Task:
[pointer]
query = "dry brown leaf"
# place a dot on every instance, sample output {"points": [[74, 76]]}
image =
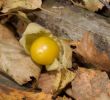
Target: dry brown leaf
{"points": [[26, 4], [92, 5], [90, 84], [90, 54], [13, 61], [49, 82], [53, 82], [7, 93]]}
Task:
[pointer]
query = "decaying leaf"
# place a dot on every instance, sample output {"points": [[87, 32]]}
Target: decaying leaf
{"points": [[55, 81], [90, 54], [49, 82], [33, 31], [26, 4], [92, 5], [90, 84], [7, 93], [13, 61]]}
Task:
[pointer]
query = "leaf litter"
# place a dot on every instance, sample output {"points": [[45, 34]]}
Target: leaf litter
{"points": [[8, 5], [88, 83]]}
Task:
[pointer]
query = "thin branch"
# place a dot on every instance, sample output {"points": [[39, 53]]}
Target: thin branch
{"points": [[51, 12], [72, 1], [105, 3]]}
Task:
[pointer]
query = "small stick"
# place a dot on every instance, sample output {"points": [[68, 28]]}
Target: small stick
{"points": [[105, 3]]}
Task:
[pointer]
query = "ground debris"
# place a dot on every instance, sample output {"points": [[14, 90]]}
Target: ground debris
{"points": [[87, 52], [90, 84], [7, 93]]}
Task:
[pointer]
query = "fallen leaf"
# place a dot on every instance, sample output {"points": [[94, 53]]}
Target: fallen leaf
{"points": [[25, 4], [7, 93], [90, 54], [13, 60], [49, 82], [93, 5], [90, 84], [55, 81]]}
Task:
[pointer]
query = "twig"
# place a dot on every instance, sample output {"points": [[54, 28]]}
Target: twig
{"points": [[105, 3], [5, 14], [47, 11], [72, 1]]}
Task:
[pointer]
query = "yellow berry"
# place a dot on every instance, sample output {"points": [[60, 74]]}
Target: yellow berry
{"points": [[44, 50]]}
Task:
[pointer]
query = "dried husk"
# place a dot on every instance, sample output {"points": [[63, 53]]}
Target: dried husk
{"points": [[65, 57], [33, 31], [66, 77]]}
